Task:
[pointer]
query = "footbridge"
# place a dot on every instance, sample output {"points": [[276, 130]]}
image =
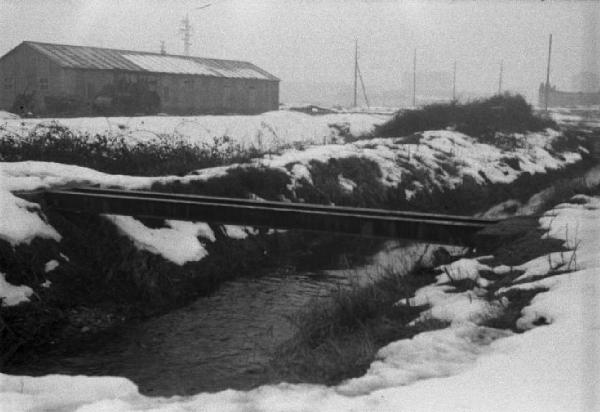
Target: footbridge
{"points": [[439, 228]]}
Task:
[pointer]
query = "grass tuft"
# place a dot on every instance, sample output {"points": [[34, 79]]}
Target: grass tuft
{"points": [[338, 338]]}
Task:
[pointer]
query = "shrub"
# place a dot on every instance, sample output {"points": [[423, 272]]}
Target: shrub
{"points": [[481, 118], [365, 173], [113, 154]]}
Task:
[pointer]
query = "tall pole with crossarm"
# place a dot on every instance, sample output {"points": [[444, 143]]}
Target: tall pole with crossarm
{"points": [[414, 96], [500, 77], [186, 30], [355, 71], [454, 82], [547, 88]]}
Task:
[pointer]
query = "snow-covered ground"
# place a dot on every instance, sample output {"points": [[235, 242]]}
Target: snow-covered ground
{"points": [[443, 159], [4, 115], [554, 365], [464, 367], [267, 131], [577, 116], [535, 204]]}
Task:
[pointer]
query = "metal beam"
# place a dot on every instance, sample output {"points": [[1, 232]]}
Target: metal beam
{"points": [[355, 221]]}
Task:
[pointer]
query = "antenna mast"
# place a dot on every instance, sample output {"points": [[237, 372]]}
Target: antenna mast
{"points": [[548, 74]]}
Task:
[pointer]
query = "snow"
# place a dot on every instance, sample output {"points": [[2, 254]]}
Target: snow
{"points": [[436, 151], [4, 115], [583, 115], [461, 269], [428, 355], [197, 229], [467, 367], [32, 175], [177, 244], [235, 232], [11, 295], [446, 304], [535, 204], [51, 265], [347, 185], [266, 131], [51, 392], [21, 220]]}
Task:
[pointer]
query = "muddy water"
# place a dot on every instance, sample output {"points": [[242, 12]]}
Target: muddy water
{"points": [[222, 341]]}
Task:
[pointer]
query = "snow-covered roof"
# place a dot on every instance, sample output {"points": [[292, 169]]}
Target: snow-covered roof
{"points": [[96, 58]]}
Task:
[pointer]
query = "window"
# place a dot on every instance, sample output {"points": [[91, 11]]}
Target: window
{"points": [[43, 83], [8, 83]]}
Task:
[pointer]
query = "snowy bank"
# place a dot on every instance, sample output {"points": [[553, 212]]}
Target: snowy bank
{"points": [[553, 365], [430, 161], [267, 131]]}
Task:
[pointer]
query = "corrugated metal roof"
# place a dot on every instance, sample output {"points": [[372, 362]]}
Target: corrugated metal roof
{"points": [[82, 57]]}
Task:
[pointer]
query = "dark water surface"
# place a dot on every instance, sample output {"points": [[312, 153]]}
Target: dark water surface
{"points": [[222, 341]]}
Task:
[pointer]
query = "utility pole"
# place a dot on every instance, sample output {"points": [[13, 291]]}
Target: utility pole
{"points": [[357, 77], [454, 82], [364, 90], [186, 30], [547, 91], [186, 34], [414, 102], [355, 69], [500, 78]]}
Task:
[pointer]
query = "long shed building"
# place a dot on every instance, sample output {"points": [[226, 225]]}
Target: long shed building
{"points": [[54, 79]]}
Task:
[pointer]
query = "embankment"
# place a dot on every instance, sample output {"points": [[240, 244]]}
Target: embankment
{"points": [[102, 272]]}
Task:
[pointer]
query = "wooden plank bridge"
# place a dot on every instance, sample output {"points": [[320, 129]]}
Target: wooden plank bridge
{"points": [[440, 228]]}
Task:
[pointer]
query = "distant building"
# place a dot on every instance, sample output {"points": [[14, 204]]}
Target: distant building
{"points": [[52, 79], [558, 98]]}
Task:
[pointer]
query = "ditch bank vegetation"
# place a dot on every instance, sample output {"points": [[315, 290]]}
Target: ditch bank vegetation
{"points": [[102, 278], [339, 340]]}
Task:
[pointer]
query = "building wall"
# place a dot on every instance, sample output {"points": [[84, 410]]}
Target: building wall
{"points": [[24, 71], [180, 94], [201, 94], [57, 90]]}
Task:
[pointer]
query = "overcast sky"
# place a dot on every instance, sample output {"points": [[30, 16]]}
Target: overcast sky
{"points": [[312, 41]]}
